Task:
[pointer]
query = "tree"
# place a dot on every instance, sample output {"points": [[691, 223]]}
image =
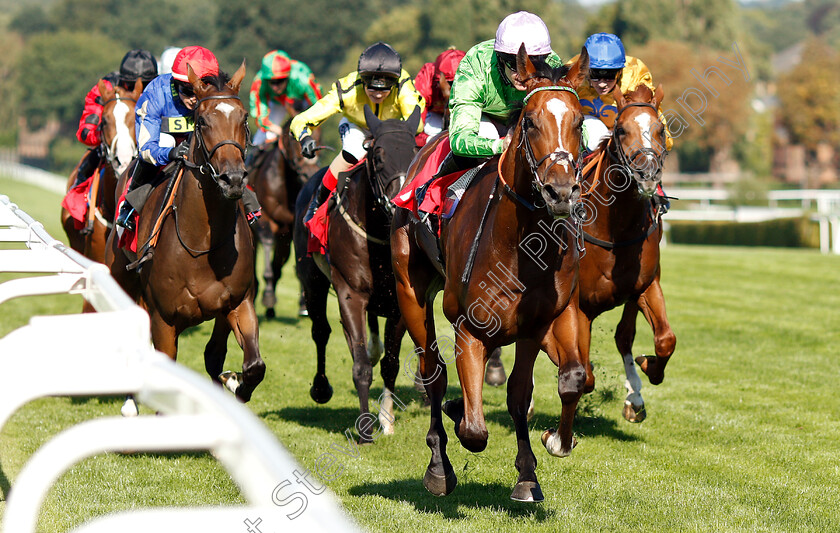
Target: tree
{"points": [[809, 94], [56, 70]]}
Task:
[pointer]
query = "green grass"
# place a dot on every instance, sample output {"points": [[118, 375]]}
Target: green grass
{"points": [[743, 435]]}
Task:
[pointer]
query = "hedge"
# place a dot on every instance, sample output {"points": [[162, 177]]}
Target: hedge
{"points": [[787, 232]]}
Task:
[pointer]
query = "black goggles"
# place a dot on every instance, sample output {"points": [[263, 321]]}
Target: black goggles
{"points": [[508, 60], [379, 83], [184, 89], [604, 73]]}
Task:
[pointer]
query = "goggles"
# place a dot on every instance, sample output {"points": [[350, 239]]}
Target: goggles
{"points": [[184, 89], [379, 82], [604, 73]]}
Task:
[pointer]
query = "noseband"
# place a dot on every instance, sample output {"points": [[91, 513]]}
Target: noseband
{"points": [[207, 167], [626, 160], [379, 188], [556, 156]]}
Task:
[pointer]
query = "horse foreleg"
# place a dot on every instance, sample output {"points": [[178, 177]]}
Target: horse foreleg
{"points": [[266, 238], [164, 335], [652, 304], [584, 343], [215, 352], [495, 373], [468, 412], [519, 394], [352, 309], [389, 368], [416, 306], [561, 345], [375, 347], [243, 322], [316, 290], [625, 334]]}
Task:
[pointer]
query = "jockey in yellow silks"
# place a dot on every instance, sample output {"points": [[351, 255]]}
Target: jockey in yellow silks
{"points": [[609, 66]]}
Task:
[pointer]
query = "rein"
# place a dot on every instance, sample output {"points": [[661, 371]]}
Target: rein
{"points": [[207, 167], [624, 159]]}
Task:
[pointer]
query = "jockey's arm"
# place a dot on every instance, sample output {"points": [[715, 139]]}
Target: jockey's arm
{"points": [[88, 132], [305, 122], [148, 134], [409, 99]]}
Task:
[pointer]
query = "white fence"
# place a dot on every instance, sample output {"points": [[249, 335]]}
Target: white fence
{"points": [[119, 359], [826, 204]]}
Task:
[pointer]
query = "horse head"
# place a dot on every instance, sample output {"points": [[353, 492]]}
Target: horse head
{"points": [[117, 124], [390, 154], [221, 131], [548, 132], [639, 136]]}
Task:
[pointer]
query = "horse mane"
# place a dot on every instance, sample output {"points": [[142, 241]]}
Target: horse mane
{"points": [[217, 81], [641, 93]]}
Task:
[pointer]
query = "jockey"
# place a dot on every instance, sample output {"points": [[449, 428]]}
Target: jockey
{"points": [[136, 64], [382, 84], [608, 67], [164, 121], [487, 87], [427, 83], [282, 85]]}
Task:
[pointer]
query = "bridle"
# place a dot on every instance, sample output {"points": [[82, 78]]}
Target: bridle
{"points": [[554, 157], [207, 167], [379, 189], [626, 160], [110, 149]]}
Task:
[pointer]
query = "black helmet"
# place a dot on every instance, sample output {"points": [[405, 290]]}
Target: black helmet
{"points": [[380, 66], [138, 64]]}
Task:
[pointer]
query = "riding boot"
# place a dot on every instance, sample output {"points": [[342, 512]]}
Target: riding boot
{"points": [[125, 217], [252, 206], [88, 166], [661, 200], [319, 198]]}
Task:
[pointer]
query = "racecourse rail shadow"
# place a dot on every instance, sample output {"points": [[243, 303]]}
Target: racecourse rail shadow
{"points": [[490, 496], [589, 426]]}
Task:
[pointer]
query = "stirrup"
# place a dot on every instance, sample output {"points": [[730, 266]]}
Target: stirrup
{"points": [[125, 219]]}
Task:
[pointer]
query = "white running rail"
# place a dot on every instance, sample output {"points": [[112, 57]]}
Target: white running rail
{"points": [[198, 415]]}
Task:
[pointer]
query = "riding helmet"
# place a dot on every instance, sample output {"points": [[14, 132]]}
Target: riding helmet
{"points": [[276, 65], [605, 51], [138, 64], [380, 65], [523, 28], [200, 59]]}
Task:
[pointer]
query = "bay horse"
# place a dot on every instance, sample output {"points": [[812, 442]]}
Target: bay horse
{"points": [[360, 265], [622, 233], [497, 289], [118, 145], [202, 267], [278, 177]]}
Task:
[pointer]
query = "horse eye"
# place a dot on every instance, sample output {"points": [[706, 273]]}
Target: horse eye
{"points": [[619, 130]]}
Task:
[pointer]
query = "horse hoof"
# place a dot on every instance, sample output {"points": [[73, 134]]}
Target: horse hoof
{"points": [[269, 313], [375, 349], [552, 442], [303, 311], [231, 380], [652, 367], [129, 408], [321, 390], [527, 491], [244, 394], [440, 485], [454, 409], [495, 374], [634, 414]]}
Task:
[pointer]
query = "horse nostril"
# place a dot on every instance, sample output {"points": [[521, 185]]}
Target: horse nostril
{"points": [[552, 194]]}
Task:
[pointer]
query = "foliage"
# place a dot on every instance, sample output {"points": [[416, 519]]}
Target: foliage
{"points": [[824, 19], [790, 232], [809, 94], [778, 27], [12, 46], [30, 20], [56, 70]]}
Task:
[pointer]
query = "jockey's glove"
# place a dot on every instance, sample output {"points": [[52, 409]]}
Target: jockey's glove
{"points": [[307, 147], [179, 151]]}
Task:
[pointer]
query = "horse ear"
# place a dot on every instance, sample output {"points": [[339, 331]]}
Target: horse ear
{"points": [[104, 91], [580, 70], [445, 86], [414, 120], [524, 68], [658, 96], [138, 89], [371, 120], [236, 79]]}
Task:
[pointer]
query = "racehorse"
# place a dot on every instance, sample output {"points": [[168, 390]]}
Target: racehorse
{"points": [[360, 265], [622, 233], [118, 145], [498, 287], [278, 176], [202, 267]]}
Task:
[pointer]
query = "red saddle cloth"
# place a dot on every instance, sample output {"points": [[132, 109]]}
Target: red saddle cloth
{"points": [[432, 201], [319, 224], [76, 203]]}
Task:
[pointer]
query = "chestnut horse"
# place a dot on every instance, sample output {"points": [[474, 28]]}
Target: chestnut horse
{"points": [[360, 264], [277, 178], [497, 288], [118, 145], [203, 263], [622, 233]]}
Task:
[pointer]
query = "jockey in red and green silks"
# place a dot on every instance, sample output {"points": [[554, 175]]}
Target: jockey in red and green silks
{"points": [[485, 87], [281, 85]]}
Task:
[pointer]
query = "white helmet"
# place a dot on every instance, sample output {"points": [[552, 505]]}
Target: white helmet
{"points": [[167, 58], [523, 28]]}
